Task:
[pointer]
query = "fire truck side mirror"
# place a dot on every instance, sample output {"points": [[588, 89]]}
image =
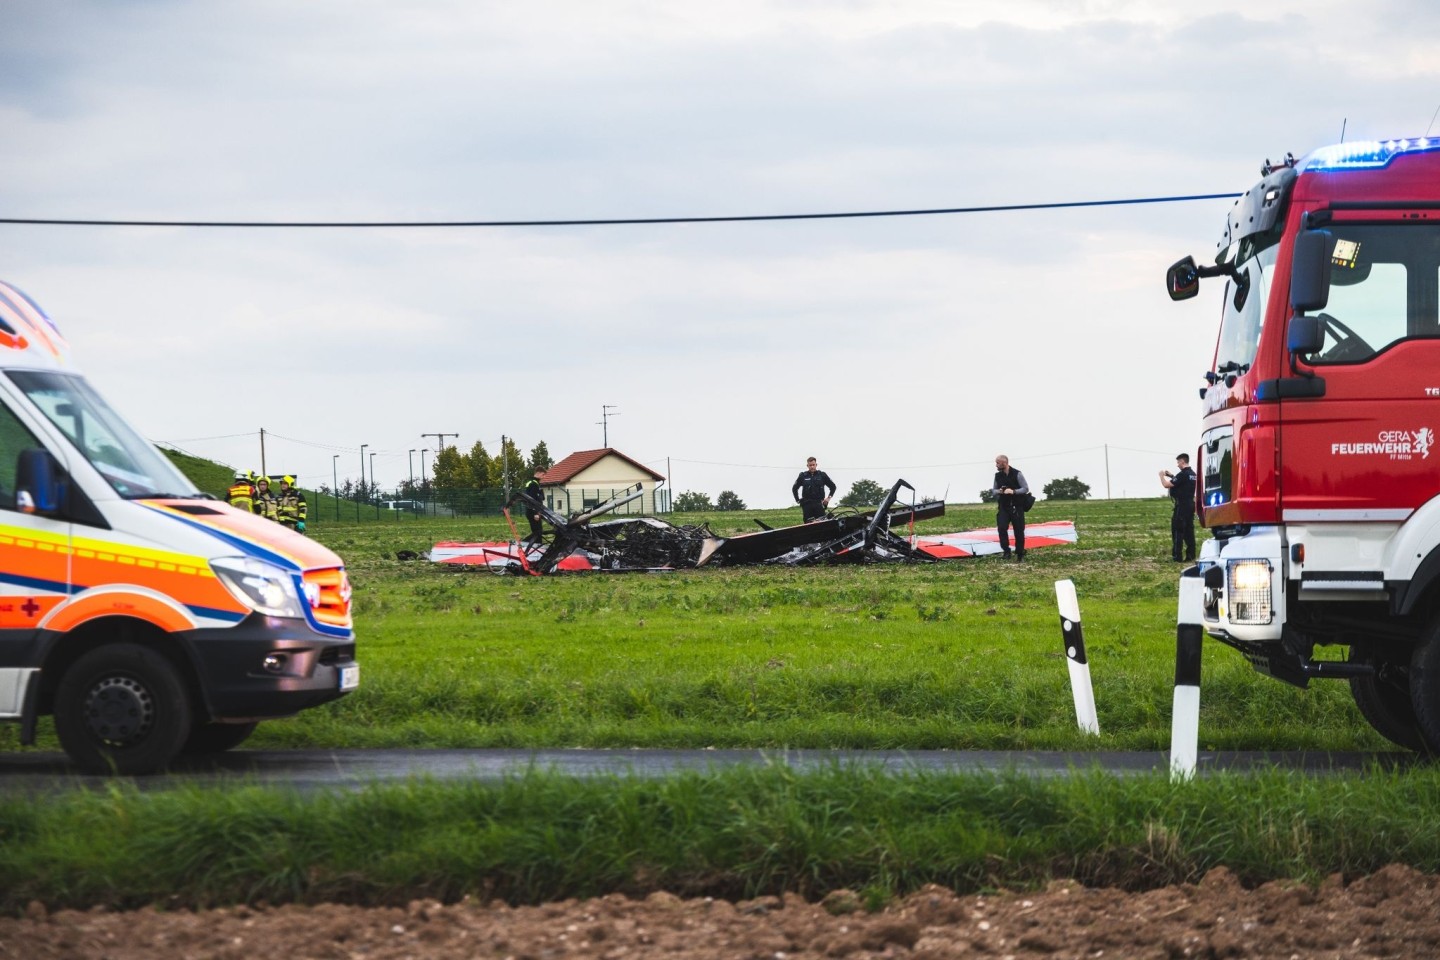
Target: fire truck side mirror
{"points": [[1307, 334], [1182, 280], [1310, 271]]}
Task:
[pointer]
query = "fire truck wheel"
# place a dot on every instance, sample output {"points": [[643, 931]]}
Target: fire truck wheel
{"points": [[1425, 686], [122, 708], [1384, 701], [208, 738]]}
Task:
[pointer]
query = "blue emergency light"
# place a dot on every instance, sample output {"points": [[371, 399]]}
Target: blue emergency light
{"points": [[1364, 154]]}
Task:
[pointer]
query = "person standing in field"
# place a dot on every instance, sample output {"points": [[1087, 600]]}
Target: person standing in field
{"points": [[1009, 487], [241, 494], [812, 490], [266, 503], [1181, 485], [532, 490], [291, 507]]}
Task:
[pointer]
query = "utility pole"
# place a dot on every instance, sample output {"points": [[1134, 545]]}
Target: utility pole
{"points": [[505, 466], [362, 479], [1107, 471], [440, 440], [439, 449], [262, 453], [605, 416]]}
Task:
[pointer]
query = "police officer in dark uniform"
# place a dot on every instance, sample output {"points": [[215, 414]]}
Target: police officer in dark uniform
{"points": [[1181, 485], [812, 490]]}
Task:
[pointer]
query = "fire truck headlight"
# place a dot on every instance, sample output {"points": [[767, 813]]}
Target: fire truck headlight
{"points": [[1249, 592]]}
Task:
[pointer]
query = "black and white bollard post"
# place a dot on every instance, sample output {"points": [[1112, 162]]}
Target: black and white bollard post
{"points": [[1185, 718], [1075, 657]]}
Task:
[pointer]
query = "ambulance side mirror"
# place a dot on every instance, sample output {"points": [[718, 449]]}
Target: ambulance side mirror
{"points": [[1310, 271], [37, 488]]}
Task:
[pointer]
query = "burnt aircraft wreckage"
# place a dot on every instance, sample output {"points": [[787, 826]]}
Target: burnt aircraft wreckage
{"points": [[647, 543]]}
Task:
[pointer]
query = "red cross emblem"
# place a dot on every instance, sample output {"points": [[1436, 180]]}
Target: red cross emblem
{"points": [[30, 607]]}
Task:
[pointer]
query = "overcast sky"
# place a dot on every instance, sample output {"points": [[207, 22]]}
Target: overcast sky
{"points": [[908, 347]]}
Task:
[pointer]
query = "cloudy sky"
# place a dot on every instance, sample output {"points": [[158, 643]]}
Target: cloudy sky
{"points": [[907, 347]]}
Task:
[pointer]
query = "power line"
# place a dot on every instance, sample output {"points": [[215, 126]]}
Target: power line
{"points": [[909, 466], [618, 221]]}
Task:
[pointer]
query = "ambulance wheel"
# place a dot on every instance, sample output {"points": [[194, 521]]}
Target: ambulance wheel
{"points": [[1384, 702], [1425, 686], [123, 709], [208, 738]]}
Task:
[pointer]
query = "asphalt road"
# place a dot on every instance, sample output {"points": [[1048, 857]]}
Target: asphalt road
{"points": [[349, 769]]}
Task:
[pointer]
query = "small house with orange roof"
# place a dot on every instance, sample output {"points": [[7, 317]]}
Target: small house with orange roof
{"points": [[587, 478]]}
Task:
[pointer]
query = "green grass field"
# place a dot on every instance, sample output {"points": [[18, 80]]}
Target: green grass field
{"points": [[961, 654]]}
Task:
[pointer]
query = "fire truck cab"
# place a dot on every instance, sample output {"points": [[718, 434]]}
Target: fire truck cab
{"points": [[150, 619], [1319, 469]]}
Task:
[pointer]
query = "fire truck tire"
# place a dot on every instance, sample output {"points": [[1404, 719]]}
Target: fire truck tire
{"points": [[208, 738], [1385, 703], [1425, 686], [122, 708]]}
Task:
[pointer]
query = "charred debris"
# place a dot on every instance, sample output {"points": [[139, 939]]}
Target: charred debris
{"points": [[647, 543]]}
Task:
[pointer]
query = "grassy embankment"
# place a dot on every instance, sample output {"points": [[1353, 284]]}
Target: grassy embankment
{"points": [[964, 654]]}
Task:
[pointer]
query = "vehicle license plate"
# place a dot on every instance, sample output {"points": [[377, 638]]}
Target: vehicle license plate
{"points": [[350, 676]]}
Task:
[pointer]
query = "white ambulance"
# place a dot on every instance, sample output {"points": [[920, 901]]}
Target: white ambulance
{"points": [[150, 619]]}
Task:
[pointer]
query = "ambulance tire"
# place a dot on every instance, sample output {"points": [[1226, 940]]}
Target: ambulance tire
{"points": [[1425, 686], [122, 708], [208, 738], [1384, 702]]}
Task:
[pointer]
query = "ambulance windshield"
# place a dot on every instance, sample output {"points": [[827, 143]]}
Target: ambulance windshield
{"points": [[128, 462]]}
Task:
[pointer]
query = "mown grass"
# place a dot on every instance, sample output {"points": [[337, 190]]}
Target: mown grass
{"points": [[738, 833], [960, 654], [964, 654]]}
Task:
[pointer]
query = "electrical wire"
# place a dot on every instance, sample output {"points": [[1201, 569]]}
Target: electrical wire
{"points": [[618, 221]]}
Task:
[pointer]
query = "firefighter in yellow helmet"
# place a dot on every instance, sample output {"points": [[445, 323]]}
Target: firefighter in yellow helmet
{"points": [[266, 503], [241, 494], [291, 504]]}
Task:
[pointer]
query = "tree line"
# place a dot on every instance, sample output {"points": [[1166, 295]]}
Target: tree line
{"points": [[452, 471]]}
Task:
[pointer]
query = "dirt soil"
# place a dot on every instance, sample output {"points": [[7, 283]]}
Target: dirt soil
{"points": [[1393, 913]]}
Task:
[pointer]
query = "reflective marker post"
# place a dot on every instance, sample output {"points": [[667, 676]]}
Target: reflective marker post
{"points": [[1075, 656], [1185, 718]]}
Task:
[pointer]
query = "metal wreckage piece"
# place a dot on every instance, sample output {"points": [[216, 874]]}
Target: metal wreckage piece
{"points": [[646, 543]]}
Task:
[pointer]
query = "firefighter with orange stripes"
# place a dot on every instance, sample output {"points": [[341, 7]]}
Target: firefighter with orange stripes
{"points": [[242, 492]]}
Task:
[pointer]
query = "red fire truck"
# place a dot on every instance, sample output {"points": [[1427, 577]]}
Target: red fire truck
{"points": [[1320, 474]]}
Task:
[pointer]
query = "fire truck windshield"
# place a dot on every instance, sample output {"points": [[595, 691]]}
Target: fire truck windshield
{"points": [[1245, 297], [1384, 287]]}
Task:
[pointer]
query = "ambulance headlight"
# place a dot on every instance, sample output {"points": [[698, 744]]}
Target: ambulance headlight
{"points": [[263, 587], [1248, 591]]}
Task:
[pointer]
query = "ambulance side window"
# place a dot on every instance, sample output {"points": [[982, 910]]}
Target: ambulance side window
{"points": [[14, 437]]}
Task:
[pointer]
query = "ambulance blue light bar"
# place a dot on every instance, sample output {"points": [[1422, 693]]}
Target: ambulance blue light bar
{"points": [[1364, 154]]}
